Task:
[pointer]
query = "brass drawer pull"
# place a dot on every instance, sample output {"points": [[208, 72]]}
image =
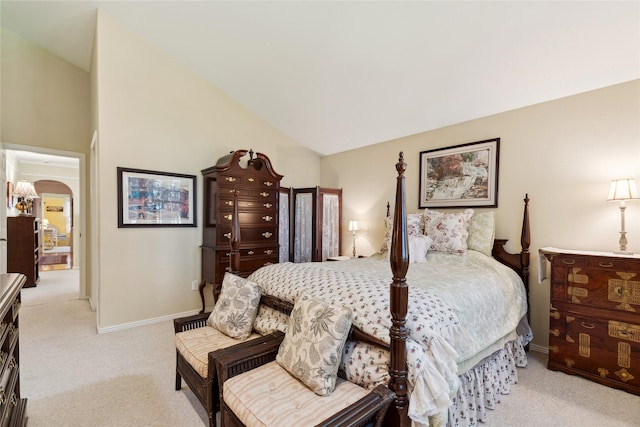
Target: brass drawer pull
{"points": [[268, 251], [569, 261], [229, 203], [268, 183], [250, 253], [267, 234], [267, 218], [229, 217], [607, 265], [227, 235], [264, 194], [230, 179], [251, 179], [587, 325], [267, 205], [249, 203]]}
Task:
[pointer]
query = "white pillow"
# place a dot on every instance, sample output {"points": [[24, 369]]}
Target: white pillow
{"points": [[418, 248], [448, 230]]}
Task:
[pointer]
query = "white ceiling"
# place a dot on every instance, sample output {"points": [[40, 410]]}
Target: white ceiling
{"points": [[340, 75]]}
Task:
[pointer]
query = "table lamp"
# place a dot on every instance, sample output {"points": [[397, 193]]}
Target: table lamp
{"points": [[623, 189], [26, 193], [353, 227]]}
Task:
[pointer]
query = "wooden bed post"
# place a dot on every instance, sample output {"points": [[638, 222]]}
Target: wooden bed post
{"points": [[525, 241], [234, 241], [399, 297]]}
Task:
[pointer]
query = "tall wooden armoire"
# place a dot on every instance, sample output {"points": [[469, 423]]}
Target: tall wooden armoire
{"points": [[316, 225], [252, 176]]}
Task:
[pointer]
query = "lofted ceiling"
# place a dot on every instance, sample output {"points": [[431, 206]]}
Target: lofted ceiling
{"points": [[339, 75]]}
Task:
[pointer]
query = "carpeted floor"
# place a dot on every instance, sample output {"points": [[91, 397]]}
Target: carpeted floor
{"points": [[74, 377]]}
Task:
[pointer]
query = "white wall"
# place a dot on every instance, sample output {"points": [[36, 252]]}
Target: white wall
{"points": [[153, 113], [563, 153]]}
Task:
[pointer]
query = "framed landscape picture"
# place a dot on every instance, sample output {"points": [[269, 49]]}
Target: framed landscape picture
{"points": [[155, 199], [460, 176]]}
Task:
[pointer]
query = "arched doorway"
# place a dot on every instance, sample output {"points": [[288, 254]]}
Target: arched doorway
{"points": [[56, 214]]}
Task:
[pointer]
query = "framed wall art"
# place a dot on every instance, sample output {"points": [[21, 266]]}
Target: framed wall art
{"points": [[460, 176], [155, 199]]}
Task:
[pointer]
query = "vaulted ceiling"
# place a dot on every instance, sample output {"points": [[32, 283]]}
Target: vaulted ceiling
{"points": [[340, 75]]}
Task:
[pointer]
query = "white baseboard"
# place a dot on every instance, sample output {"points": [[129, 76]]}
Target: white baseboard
{"points": [[145, 322], [539, 348]]}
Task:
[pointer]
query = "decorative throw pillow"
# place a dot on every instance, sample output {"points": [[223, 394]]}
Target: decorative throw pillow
{"points": [[388, 228], [312, 347], [448, 231], [414, 228], [236, 308], [418, 248], [481, 232]]}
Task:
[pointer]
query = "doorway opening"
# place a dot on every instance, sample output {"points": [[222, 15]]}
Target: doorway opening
{"points": [[58, 178]]}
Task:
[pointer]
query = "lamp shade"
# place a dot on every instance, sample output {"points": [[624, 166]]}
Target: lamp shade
{"points": [[25, 189], [623, 189], [353, 225]]}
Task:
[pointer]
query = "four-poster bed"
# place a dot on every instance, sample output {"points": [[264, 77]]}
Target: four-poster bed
{"points": [[437, 342]]}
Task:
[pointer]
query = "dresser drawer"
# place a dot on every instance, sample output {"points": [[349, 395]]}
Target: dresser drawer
{"points": [[606, 349], [257, 218], [249, 234], [245, 203], [606, 287]]}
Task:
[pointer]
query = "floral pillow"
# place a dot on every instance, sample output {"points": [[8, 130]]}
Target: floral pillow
{"points": [[448, 231], [312, 347], [414, 228], [481, 232], [236, 308]]}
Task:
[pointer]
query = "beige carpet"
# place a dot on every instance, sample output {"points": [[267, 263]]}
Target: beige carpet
{"points": [[74, 377]]}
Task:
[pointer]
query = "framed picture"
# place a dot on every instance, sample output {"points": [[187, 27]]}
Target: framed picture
{"points": [[460, 176], [155, 199]]}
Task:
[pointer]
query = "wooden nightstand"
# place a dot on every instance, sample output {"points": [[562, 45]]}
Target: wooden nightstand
{"points": [[594, 328]]}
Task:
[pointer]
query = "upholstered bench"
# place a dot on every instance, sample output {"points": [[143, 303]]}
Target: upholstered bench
{"points": [[199, 338], [273, 385]]}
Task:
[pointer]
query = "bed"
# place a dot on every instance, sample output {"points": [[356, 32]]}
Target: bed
{"points": [[445, 338]]}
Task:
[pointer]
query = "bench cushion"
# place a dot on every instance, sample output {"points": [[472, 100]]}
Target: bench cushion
{"points": [[270, 396], [195, 344]]}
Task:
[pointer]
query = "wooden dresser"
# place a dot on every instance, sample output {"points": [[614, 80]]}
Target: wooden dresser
{"points": [[594, 328], [13, 408], [23, 247], [257, 184]]}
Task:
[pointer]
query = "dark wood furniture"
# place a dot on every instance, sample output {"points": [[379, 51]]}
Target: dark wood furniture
{"points": [[399, 259], [206, 388], [315, 235], [13, 408], [594, 327], [257, 184], [23, 247], [368, 411]]}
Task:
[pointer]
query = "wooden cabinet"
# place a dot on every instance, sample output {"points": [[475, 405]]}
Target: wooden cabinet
{"points": [[257, 186], [13, 408], [23, 247], [594, 328], [316, 225]]}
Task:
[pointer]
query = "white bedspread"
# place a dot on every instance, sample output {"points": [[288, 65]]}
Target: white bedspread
{"points": [[461, 308]]}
